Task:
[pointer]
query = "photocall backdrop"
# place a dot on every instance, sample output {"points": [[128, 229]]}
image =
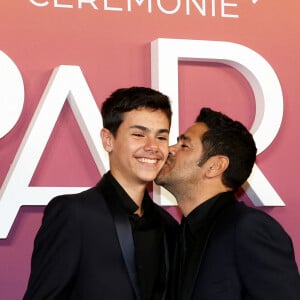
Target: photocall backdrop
{"points": [[110, 40]]}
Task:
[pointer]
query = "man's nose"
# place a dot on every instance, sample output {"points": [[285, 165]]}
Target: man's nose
{"points": [[173, 149]]}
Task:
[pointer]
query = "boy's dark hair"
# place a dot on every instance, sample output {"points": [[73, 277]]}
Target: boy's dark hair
{"points": [[229, 138], [127, 99]]}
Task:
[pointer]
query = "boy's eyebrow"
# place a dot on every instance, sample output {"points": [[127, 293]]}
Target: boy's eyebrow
{"points": [[143, 128]]}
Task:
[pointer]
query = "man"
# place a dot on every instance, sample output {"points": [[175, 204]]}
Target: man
{"points": [[226, 249], [111, 241]]}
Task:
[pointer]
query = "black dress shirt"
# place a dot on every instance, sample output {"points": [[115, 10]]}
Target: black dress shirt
{"points": [[194, 229], [147, 233]]}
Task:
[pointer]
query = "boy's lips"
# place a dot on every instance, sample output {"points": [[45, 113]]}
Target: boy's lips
{"points": [[148, 160]]}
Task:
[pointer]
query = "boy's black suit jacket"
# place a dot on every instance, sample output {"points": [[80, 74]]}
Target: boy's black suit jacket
{"points": [[84, 248]]}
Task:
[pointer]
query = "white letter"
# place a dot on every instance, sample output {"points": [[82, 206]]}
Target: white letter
{"points": [[139, 3], [165, 54], [213, 8], [223, 4], [87, 1], [39, 4], [169, 12], [106, 7], [56, 4], [66, 82], [11, 94], [201, 10]]}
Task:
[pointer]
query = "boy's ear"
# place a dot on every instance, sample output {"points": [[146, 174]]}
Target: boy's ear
{"points": [[217, 165], [107, 139]]}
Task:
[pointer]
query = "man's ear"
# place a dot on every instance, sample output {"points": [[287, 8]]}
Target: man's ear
{"points": [[217, 165], [107, 139]]}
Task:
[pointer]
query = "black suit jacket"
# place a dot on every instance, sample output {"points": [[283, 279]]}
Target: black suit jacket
{"points": [[246, 255], [84, 248]]}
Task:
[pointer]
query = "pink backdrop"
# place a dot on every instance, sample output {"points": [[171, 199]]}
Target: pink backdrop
{"points": [[113, 50]]}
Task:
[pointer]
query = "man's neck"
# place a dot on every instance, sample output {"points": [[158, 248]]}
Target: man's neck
{"points": [[188, 203]]}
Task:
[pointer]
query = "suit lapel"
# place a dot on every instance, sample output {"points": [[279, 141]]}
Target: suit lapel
{"points": [[192, 268], [167, 264], [194, 261], [125, 237], [124, 234]]}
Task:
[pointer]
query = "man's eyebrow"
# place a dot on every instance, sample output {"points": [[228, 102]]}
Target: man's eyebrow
{"points": [[183, 137], [143, 128]]}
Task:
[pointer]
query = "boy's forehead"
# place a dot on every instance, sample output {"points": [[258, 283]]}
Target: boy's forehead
{"points": [[146, 119], [146, 115]]}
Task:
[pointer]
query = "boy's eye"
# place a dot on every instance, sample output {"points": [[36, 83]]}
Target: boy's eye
{"points": [[138, 134]]}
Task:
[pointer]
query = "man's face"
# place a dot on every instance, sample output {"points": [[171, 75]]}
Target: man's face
{"points": [[140, 147], [182, 165]]}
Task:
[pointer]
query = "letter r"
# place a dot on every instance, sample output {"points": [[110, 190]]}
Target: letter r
{"points": [[165, 54]]}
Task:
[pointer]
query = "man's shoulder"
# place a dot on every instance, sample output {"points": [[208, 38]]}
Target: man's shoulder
{"points": [[253, 220], [245, 212]]}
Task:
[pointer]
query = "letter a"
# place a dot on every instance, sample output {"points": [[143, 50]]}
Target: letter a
{"points": [[66, 83]]}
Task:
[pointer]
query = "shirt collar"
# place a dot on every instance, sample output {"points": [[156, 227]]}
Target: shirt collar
{"points": [[125, 200], [206, 212]]}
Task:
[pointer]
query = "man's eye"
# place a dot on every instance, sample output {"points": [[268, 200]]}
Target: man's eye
{"points": [[184, 146]]}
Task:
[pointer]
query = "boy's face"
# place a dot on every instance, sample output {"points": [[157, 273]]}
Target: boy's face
{"points": [[140, 147]]}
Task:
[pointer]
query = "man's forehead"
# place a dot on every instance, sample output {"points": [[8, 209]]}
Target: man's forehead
{"points": [[197, 129]]}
